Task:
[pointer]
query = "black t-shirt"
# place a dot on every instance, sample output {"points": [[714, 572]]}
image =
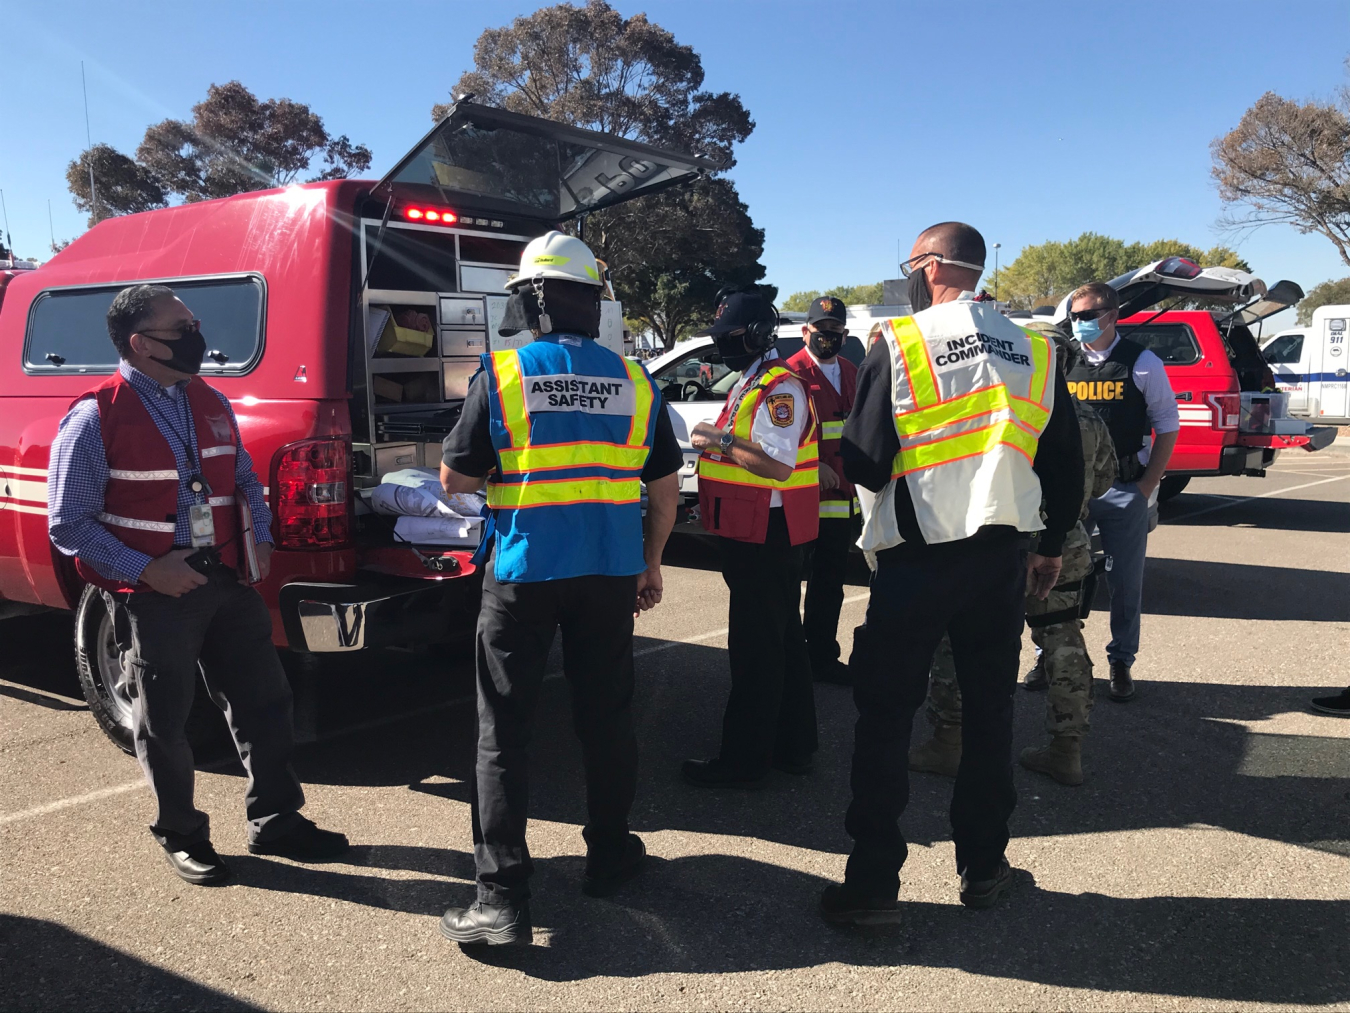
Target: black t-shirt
{"points": [[468, 449]]}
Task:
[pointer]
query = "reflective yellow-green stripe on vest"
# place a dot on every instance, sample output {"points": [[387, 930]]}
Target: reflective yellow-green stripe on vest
{"points": [[562, 492]]}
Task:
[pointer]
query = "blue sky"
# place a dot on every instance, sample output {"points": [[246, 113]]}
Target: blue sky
{"points": [[1032, 121]]}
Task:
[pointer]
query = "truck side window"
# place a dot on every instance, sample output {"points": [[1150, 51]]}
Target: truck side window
{"points": [[1287, 348], [1175, 344], [68, 330]]}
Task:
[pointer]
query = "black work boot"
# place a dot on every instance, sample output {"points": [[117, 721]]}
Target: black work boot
{"points": [[1122, 683], [841, 904], [984, 893], [1036, 680], [604, 878], [198, 864], [483, 924], [306, 843]]}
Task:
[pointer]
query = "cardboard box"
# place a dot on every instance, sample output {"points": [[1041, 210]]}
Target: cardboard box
{"points": [[396, 340], [396, 457], [431, 455]]}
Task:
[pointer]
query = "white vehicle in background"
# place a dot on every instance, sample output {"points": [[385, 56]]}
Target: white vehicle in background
{"points": [[1310, 365]]}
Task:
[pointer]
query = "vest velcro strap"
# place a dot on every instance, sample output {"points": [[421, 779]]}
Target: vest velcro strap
{"points": [[222, 451], [832, 430], [562, 492], [963, 445], [165, 527], [128, 475], [554, 456]]}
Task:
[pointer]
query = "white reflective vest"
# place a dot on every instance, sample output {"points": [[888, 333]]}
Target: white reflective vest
{"points": [[971, 395]]}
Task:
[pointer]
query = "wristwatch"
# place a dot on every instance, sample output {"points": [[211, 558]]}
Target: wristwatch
{"points": [[725, 441]]}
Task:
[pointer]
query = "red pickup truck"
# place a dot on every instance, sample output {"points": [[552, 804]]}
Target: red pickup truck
{"points": [[296, 289], [1212, 359]]}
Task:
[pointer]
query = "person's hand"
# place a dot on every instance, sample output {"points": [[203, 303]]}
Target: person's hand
{"points": [[1146, 485], [648, 590], [704, 435], [828, 479], [1042, 573], [170, 574], [263, 550]]}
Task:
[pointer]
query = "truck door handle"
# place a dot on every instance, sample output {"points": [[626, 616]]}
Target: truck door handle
{"points": [[54, 359], [219, 356]]}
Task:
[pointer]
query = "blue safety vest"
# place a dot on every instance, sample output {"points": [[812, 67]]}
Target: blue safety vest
{"points": [[572, 424]]}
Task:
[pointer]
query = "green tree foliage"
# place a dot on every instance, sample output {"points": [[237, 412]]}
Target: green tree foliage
{"points": [[589, 66], [850, 295], [233, 144], [1329, 293], [1044, 274]]}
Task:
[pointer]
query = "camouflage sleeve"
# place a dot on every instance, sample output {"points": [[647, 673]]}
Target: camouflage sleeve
{"points": [[1103, 463]]}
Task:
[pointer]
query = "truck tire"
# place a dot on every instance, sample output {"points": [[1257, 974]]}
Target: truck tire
{"points": [[1171, 486], [99, 667]]}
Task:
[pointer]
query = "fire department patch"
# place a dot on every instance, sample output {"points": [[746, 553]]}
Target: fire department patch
{"points": [[780, 409]]}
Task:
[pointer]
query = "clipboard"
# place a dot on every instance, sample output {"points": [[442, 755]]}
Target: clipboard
{"points": [[248, 547]]}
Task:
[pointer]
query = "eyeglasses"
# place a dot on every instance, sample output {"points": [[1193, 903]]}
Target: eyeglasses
{"points": [[181, 330], [907, 268], [1092, 314]]}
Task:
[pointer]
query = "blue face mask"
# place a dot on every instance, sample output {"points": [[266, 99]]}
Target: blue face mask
{"points": [[1087, 331]]}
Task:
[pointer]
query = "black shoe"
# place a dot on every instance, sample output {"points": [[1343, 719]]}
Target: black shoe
{"points": [[985, 893], [798, 767], [716, 774], [603, 880], [1122, 683], [840, 905], [486, 924], [1036, 680], [198, 864], [1338, 705], [834, 672], [306, 843]]}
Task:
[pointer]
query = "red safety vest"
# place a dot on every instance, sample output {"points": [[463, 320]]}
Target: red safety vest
{"points": [[734, 503], [140, 501], [832, 408]]}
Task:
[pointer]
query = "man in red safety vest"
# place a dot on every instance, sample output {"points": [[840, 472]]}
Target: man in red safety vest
{"points": [[830, 381]]}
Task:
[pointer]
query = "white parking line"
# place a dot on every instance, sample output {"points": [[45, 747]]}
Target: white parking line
{"points": [[66, 803], [1264, 495]]}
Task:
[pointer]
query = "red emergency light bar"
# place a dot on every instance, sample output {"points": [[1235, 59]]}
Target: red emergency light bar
{"points": [[436, 216]]}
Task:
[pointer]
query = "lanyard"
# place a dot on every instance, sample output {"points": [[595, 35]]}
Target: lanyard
{"points": [[196, 483]]}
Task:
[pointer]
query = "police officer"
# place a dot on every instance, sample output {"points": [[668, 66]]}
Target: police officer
{"points": [[1063, 667], [757, 489], [1128, 386], [148, 483], [830, 380], [962, 426], [565, 431]]}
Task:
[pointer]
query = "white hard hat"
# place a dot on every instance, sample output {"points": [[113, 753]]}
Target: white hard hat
{"points": [[557, 256]]}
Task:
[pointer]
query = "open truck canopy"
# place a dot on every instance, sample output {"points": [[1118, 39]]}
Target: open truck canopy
{"points": [[1179, 277]]}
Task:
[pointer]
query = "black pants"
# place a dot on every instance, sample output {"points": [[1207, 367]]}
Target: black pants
{"points": [[227, 627], [771, 711], [515, 630], [975, 590], [825, 588]]}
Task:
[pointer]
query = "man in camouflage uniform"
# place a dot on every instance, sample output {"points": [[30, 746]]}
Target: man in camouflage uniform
{"points": [[1063, 668]]}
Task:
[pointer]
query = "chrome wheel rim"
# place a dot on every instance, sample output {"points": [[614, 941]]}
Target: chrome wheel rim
{"points": [[109, 660]]}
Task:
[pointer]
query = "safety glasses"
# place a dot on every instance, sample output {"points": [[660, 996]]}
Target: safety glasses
{"points": [[181, 330], [1092, 314], [909, 266]]}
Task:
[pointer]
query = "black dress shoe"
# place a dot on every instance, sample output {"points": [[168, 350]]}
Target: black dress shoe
{"points": [[604, 878], [799, 767], [843, 905], [1036, 680], [306, 843], [834, 672], [198, 864], [1337, 706], [984, 893], [716, 774], [1122, 683], [489, 925]]}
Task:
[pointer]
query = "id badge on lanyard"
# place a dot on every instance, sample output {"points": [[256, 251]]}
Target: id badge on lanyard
{"points": [[200, 519]]}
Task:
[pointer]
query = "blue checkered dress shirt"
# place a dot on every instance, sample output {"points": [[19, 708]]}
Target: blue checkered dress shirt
{"points": [[77, 476]]}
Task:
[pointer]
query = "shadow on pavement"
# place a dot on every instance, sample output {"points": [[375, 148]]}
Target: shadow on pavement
{"points": [[49, 967], [1188, 587], [1273, 514]]}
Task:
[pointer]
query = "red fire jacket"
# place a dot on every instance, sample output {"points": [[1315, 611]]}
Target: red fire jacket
{"points": [[140, 502], [832, 408]]}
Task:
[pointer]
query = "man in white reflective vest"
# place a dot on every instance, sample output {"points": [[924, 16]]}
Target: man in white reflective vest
{"points": [[961, 426]]}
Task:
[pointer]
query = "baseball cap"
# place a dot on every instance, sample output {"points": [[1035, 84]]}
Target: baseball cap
{"points": [[827, 307], [740, 309]]}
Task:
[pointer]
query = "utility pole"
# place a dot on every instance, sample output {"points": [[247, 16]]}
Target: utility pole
{"points": [[89, 145], [9, 239], [997, 247], [50, 227]]}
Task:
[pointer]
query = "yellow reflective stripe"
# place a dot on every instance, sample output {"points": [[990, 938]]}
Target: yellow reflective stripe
{"points": [[969, 406], [963, 445], [563, 492], [835, 508], [734, 474], [831, 430], [1040, 361], [745, 412], [637, 432], [914, 354], [572, 455], [511, 396]]}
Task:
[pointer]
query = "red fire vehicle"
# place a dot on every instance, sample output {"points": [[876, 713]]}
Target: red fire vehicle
{"points": [[298, 291]]}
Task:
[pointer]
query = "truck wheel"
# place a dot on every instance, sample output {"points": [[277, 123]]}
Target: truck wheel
{"points": [[99, 665], [1171, 486]]}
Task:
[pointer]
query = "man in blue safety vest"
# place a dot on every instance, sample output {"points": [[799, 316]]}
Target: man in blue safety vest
{"points": [[564, 431]]}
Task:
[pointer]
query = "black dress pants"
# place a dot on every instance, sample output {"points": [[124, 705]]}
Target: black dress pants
{"points": [[771, 711], [975, 590], [515, 630], [825, 588]]}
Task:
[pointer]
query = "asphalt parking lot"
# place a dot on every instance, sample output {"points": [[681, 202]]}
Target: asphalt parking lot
{"points": [[1205, 864]]}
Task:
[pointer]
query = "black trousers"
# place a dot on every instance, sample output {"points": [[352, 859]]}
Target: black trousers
{"points": [[825, 588], [225, 626], [515, 630], [975, 590], [771, 711]]}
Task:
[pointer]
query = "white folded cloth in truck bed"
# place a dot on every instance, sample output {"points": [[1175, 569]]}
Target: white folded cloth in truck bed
{"points": [[417, 492], [461, 531]]}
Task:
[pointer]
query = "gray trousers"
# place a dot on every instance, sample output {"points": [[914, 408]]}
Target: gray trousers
{"points": [[225, 626], [1121, 516]]}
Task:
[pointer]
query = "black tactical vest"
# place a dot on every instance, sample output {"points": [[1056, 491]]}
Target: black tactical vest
{"points": [[1109, 387]]}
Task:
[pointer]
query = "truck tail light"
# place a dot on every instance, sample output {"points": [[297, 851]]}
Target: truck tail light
{"points": [[1179, 267], [1227, 409], [311, 482]]}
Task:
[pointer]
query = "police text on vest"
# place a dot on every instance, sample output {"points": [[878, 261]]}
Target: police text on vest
{"points": [[595, 395]]}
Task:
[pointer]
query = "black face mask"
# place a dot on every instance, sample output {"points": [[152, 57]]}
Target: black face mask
{"points": [[920, 298], [825, 344], [188, 352], [732, 349]]}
